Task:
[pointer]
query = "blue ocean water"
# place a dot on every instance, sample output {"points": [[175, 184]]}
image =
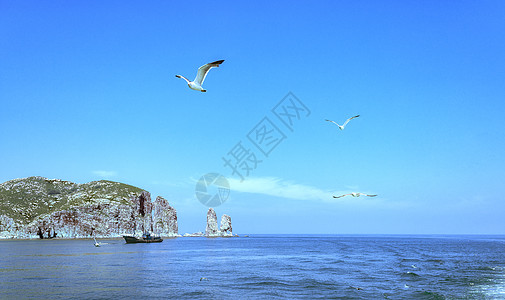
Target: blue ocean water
{"points": [[256, 267]]}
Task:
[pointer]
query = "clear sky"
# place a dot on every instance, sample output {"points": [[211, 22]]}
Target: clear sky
{"points": [[88, 92]]}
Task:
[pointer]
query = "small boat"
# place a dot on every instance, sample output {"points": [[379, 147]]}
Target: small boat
{"points": [[97, 244], [146, 238]]}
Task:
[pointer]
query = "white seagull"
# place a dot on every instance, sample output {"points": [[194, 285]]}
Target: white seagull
{"points": [[345, 123], [354, 195], [200, 76]]}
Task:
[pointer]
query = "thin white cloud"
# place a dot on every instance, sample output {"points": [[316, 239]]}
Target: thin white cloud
{"points": [[277, 187], [105, 174]]}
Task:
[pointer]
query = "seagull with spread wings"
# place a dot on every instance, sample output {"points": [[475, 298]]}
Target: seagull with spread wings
{"points": [[354, 195], [345, 123], [200, 76]]}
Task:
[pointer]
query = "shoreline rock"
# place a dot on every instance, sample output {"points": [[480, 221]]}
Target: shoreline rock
{"points": [[52, 208], [196, 234]]}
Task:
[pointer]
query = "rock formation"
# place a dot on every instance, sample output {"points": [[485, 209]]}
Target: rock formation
{"points": [[8, 225], [212, 230], [226, 225], [195, 234], [164, 218], [143, 213], [47, 208]]}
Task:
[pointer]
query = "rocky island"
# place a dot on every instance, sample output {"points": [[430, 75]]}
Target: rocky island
{"points": [[37, 207]]}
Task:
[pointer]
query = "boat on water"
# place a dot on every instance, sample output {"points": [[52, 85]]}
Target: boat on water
{"points": [[146, 238]]}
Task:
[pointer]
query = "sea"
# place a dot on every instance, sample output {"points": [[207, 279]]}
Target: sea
{"points": [[257, 267]]}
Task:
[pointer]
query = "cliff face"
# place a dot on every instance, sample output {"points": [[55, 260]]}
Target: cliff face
{"points": [[212, 230], [164, 218], [40, 207]]}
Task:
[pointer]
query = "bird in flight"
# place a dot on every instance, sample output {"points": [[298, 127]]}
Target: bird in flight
{"points": [[345, 123], [354, 195], [200, 76]]}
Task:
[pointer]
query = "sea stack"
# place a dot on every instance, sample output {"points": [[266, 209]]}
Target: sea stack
{"points": [[212, 230], [226, 225]]}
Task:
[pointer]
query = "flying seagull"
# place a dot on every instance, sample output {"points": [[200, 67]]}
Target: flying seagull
{"points": [[200, 76], [354, 195], [345, 123]]}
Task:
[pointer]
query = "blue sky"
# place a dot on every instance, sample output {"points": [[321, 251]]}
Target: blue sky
{"points": [[88, 92]]}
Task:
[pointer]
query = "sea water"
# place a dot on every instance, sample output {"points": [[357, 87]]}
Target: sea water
{"points": [[257, 267]]}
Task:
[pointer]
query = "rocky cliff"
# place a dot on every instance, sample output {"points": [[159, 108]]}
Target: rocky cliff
{"points": [[164, 217], [46, 208], [212, 230]]}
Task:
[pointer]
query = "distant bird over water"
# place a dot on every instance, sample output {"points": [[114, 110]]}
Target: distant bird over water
{"points": [[345, 123], [200, 76], [354, 195]]}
